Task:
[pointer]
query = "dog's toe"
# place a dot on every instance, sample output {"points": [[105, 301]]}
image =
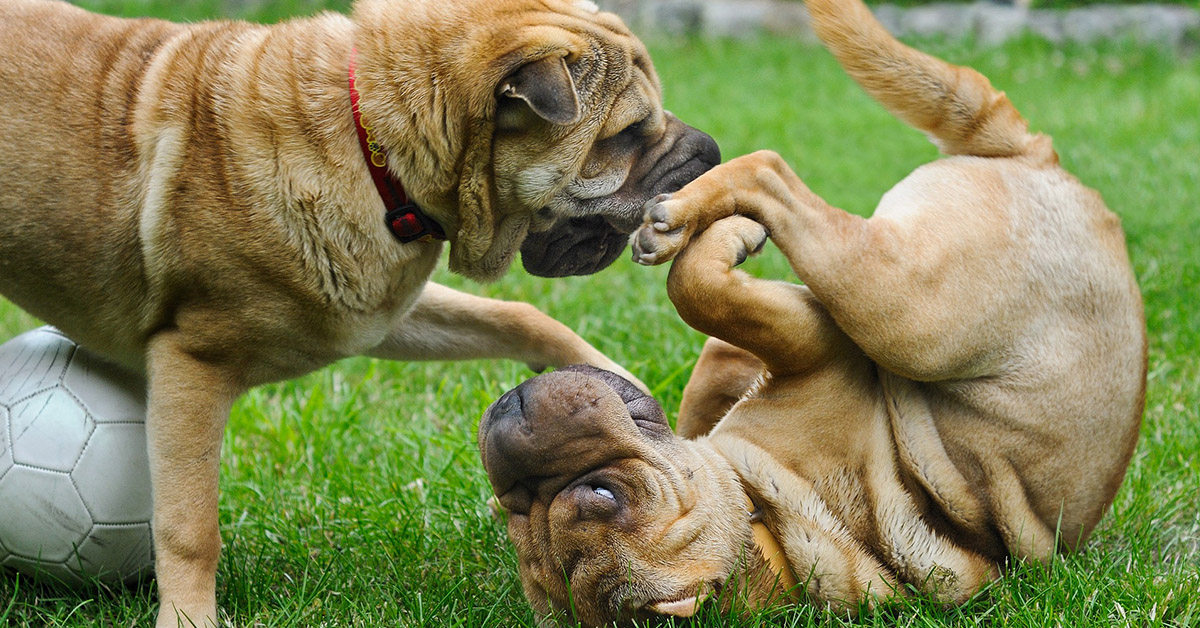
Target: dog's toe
{"points": [[753, 237], [651, 246], [662, 234]]}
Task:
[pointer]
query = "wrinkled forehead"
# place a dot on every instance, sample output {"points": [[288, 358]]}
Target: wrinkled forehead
{"points": [[608, 55]]}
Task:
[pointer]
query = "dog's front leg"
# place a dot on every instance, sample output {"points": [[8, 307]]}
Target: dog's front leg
{"points": [[446, 324], [189, 403], [780, 323]]}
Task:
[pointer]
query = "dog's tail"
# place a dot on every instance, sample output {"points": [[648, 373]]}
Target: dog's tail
{"points": [[956, 106]]}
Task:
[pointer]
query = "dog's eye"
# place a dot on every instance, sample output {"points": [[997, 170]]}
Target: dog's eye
{"points": [[595, 502], [632, 133], [633, 130]]}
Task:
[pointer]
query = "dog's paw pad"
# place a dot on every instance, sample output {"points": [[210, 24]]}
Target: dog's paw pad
{"points": [[662, 235], [652, 246], [660, 213]]}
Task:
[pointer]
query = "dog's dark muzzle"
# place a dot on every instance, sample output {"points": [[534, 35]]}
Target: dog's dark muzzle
{"points": [[553, 427], [590, 242]]}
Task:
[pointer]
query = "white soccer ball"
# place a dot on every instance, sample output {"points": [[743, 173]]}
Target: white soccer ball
{"points": [[74, 475]]}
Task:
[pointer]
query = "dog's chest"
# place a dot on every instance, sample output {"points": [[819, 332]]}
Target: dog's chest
{"points": [[356, 326]]}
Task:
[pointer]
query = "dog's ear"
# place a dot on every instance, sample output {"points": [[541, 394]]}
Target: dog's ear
{"points": [[547, 87]]}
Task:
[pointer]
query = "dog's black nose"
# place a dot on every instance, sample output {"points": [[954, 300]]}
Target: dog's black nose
{"points": [[507, 407], [596, 236]]}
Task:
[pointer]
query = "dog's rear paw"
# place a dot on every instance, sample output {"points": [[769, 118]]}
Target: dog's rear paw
{"points": [[745, 236], [664, 231]]}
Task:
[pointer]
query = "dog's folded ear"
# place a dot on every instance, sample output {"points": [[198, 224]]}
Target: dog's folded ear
{"points": [[547, 87]]}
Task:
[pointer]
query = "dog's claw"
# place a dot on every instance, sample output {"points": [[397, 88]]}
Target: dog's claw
{"points": [[660, 238], [647, 246]]}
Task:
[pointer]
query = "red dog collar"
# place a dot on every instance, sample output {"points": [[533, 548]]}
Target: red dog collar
{"points": [[405, 220]]}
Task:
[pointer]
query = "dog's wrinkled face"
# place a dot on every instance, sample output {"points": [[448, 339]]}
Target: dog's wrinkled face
{"points": [[529, 117], [603, 103], [636, 156], [614, 518]]}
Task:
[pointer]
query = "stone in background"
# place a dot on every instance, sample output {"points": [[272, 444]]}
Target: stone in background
{"points": [[1175, 27]]}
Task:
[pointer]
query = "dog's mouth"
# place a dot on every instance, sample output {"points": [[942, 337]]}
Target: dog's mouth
{"points": [[683, 604], [682, 607], [599, 230], [576, 246]]}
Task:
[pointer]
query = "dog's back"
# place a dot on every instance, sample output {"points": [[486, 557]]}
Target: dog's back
{"points": [[67, 94], [1047, 425]]}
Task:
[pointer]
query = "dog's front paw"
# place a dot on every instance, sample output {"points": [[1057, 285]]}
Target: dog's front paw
{"points": [[664, 231]]}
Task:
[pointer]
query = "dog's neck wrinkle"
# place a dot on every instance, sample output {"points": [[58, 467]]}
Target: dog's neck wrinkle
{"points": [[312, 103], [758, 478], [420, 155], [318, 102], [756, 581], [296, 109], [413, 79]]}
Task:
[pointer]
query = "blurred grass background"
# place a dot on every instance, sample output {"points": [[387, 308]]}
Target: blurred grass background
{"points": [[354, 496], [273, 10]]}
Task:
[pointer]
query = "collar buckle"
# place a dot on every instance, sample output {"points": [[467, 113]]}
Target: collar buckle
{"points": [[769, 548], [408, 223], [405, 220]]}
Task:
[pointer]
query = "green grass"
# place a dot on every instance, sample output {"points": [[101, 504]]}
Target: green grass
{"points": [[354, 496], [1038, 4]]}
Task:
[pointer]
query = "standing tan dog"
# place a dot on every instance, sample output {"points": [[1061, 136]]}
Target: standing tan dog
{"points": [[960, 379], [195, 201]]}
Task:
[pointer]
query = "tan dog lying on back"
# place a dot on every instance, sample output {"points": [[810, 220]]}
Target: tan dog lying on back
{"points": [[192, 200], [960, 379]]}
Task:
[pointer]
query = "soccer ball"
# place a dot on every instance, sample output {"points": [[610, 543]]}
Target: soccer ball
{"points": [[74, 475]]}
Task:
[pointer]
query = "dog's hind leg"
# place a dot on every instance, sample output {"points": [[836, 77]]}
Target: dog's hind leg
{"points": [[781, 323], [723, 373]]}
